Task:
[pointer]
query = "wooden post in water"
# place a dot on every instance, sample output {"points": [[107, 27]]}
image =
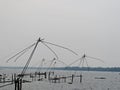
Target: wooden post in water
{"points": [[72, 78], [80, 78], [4, 77], [59, 79], [49, 76], [34, 76], [0, 77], [55, 80], [12, 81], [39, 75], [64, 79], [20, 84], [17, 84], [45, 75], [14, 77]]}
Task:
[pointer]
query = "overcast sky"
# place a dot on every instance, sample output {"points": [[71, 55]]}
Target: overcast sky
{"points": [[85, 26]]}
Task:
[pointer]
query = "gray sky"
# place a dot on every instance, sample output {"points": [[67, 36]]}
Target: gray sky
{"points": [[85, 26]]}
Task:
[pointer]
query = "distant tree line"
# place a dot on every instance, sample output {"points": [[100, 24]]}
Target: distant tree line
{"points": [[108, 69]]}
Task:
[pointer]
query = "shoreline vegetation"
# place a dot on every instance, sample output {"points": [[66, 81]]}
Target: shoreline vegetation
{"points": [[105, 69]]}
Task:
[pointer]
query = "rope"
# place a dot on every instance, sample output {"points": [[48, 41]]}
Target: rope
{"points": [[20, 52], [61, 47]]}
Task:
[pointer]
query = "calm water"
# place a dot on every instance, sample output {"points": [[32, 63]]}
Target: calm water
{"points": [[90, 81]]}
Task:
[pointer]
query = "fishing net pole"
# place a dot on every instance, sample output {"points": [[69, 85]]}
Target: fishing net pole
{"points": [[31, 55]]}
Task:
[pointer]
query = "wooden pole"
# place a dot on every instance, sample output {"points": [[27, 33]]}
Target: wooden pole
{"points": [[72, 78], [15, 84], [80, 78], [20, 84], [12, 79], [39, 75], [45, 75], [64, 79], [49, 76]]}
